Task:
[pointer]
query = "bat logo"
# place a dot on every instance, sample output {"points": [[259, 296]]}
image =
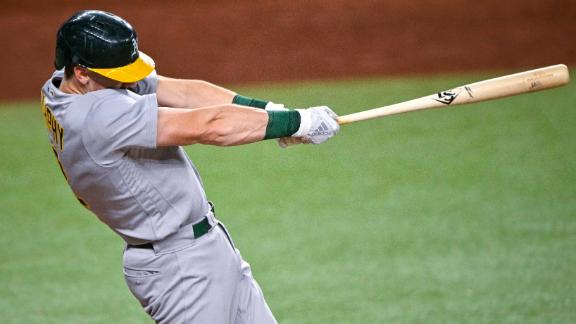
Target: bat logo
{"points": [[469, 91], [446, 97], [535, 84]]}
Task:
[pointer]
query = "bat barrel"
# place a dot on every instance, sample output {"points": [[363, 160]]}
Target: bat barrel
{"points": [[519, 83], [509, 85]]}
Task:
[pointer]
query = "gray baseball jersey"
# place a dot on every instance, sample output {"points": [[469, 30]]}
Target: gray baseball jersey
{"points": [[105, 143]]}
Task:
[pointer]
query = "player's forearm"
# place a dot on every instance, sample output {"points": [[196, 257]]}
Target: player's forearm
{"points": [[191, 94], [223, 125], [227, 125]]}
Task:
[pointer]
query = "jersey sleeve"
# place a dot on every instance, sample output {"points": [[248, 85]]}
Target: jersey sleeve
{"points": [[120, 123], [148, 85]]}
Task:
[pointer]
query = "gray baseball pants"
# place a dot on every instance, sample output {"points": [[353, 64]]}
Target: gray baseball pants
{"points": [[203, 280]]}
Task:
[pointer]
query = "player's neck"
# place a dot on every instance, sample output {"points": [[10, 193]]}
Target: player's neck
{"points": [[69, 86], [73, 86]]}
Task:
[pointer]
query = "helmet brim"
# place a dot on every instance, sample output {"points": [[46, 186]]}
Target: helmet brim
{"points": [[133, 72]]}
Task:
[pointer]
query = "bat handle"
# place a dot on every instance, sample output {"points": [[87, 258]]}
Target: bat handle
{"points": [[342, 120]]}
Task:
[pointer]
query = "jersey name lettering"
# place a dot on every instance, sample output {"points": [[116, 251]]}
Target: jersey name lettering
{"points": [[53, 126]]}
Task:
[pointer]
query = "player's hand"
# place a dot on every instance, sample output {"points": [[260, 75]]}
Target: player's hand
{"points": [[317, 125], [289, 141]]}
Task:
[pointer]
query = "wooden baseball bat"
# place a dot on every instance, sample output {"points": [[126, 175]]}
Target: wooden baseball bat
{"points": [[509, 85]]}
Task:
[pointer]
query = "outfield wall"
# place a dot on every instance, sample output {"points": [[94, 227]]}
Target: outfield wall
{"points": [[235, 42]]}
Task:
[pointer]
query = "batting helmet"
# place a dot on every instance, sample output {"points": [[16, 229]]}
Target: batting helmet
{"points": [[105, 44]]}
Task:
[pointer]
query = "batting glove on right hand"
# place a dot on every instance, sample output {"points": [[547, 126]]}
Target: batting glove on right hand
{"points": [[317, 124]]}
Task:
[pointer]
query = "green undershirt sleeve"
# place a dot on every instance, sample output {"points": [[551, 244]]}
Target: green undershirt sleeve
{"points": [[250, 102]]}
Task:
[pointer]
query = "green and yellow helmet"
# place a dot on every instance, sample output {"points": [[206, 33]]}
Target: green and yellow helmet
{"points": [[103, 43]]}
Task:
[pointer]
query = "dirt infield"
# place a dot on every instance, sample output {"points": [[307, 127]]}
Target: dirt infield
{"points": [[234, 42]]}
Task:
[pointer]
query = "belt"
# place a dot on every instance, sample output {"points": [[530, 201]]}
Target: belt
{"points": [[183, 236], [198, 230]]}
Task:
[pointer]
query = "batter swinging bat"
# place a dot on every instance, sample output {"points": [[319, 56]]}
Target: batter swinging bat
{"points": [[509, 85]]}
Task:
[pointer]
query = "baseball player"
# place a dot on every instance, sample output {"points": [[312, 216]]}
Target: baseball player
{"points": [[116, 129]]}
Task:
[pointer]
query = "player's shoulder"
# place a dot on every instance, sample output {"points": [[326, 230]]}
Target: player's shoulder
{"points": [[116, 104], [112, 97], [148, 85]]}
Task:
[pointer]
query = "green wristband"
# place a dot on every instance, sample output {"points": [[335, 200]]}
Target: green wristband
{"points": [[251, 102], [282, 123]]}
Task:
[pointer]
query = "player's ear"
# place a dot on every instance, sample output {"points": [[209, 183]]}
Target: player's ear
{"points": [[81, 74]]}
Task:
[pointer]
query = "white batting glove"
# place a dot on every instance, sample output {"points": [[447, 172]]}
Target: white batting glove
{"points": [[317, 124]]}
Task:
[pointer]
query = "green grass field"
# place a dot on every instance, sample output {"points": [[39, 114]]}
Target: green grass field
{"points": [[462, 215]]}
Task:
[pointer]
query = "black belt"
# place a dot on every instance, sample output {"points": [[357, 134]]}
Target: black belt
{"points": [[199, 229]]}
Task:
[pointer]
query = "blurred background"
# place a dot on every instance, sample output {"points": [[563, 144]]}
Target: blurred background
{"points": [[461, 215], [254, 41]]}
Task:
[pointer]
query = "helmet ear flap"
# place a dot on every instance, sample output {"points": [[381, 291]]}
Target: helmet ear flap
{"points": [[62, 53]]}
